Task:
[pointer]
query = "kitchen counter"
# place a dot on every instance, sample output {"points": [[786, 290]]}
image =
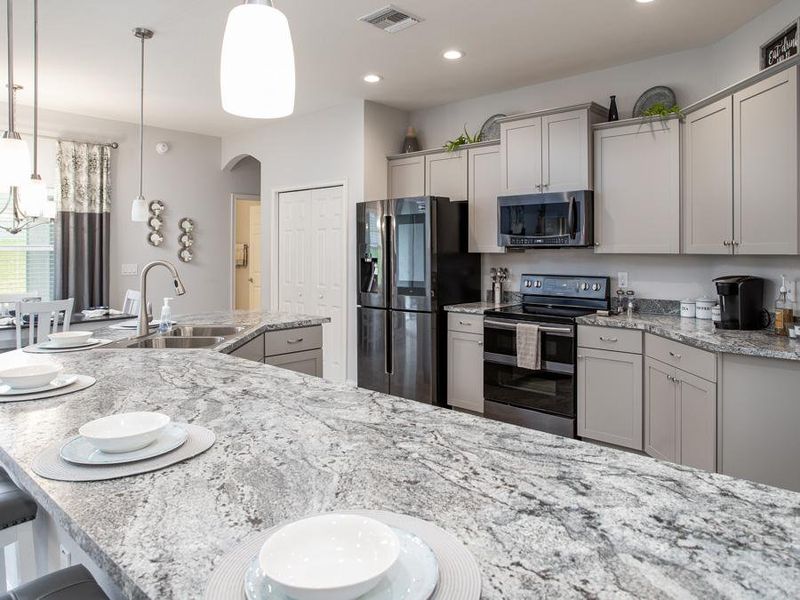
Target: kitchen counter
{"points": [[545, 516], [476, 308], [704, 335]]}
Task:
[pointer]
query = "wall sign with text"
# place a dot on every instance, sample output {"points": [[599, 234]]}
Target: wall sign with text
{"points": [[781, 47]]}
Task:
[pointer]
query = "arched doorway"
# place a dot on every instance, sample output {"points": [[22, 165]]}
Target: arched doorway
{"points": [[246, 234]]}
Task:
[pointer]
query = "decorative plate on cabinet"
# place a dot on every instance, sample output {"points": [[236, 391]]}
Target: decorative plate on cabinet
{"points": [[490, 130], [655, 95]]}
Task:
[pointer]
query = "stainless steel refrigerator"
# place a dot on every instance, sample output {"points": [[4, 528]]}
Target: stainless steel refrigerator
{"points": [[413, 260]]}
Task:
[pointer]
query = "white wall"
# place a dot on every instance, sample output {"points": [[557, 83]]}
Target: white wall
{"points": [[384, 131], [693, 74], [307, 151], [190, 182]]}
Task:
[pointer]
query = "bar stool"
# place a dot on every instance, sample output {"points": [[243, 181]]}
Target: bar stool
{"points": [[72, 583], [17, 512]]}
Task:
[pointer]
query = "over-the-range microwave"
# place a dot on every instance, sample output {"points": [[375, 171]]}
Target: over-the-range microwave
{"points": [[552, 220]]}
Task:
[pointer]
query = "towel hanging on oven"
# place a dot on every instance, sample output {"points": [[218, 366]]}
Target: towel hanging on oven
{"points": [[528, 355]]}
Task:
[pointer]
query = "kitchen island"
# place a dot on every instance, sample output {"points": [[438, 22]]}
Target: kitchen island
{"points": [[544, 516]]}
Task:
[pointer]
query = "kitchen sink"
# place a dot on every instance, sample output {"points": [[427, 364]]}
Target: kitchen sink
{"points": [[203, 331], [174, 342]]}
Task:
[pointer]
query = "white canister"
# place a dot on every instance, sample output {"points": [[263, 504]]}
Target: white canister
{"points": [[688, 309], [703, 308], [716, 313]]}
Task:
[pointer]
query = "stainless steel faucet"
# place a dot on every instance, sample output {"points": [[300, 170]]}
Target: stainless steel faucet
{"points": [[144, 321]]}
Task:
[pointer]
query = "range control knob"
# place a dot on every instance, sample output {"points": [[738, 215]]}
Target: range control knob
{"points": [[596, 287], [537, 284], [584, 286], [527, 283]]}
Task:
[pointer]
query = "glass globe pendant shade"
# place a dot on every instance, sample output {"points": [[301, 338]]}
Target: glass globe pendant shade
{"points": [[15, 162], [257, 76], [139, 210], [33, 198]]}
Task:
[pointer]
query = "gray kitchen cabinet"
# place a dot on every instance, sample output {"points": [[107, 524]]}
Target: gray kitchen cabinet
{"points": [[680, 416], [446, 175], [548, 151], [298, 349], [707, 155], [758, 421], [465, 366], [610, 397], [482, 192], [308, 362], [765, 166], [637, 187], [407, 177]]}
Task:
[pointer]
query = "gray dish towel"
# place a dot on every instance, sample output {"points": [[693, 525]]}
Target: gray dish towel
{"points": [[528, 356]]}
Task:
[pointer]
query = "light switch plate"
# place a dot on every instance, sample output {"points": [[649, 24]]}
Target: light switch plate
{"points": [[791, 288], [130, 269], [622, 279]]}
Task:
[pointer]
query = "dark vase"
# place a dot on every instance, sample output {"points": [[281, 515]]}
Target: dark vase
{"points": [[411, 142], [613, 113]]}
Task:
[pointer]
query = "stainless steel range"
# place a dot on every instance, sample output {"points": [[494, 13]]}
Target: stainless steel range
{"points": [[543, 399]]}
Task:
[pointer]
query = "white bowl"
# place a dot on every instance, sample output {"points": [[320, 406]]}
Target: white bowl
{"points": [[30, 376], [124, 432], [330, 557], [68, 339]]}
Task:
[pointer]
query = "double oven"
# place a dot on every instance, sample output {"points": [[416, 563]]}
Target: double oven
{"points": [[546, 398]]}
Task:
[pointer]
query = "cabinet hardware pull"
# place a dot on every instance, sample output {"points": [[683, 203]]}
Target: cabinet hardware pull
{"points": [[734, 242], [465, 323], [609, 339], [726, 243], [297, 341], [673, 355], [480, 343]]}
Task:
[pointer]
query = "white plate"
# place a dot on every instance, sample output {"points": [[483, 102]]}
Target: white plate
{"points": [[51, 346], [413, 577], [79, 451], [57, 383]]}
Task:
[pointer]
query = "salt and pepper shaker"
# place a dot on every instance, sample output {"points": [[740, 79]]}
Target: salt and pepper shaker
{"points": [[629, 295]]}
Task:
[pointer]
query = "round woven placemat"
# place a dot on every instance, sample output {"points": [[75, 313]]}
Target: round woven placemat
{"points": [[50, 465], [459, 575], [83, 382]]}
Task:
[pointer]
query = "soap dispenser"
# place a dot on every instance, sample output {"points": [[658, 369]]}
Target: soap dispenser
{"points": [[165, 323]]}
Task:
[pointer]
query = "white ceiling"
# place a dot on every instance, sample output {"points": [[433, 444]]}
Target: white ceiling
{"points": [[89, 57]]}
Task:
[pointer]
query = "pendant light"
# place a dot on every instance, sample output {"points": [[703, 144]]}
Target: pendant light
{"points": [[15, 162], [139, 206], [33, 194], [257, 77]]}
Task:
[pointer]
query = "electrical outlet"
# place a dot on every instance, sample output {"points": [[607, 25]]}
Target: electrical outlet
{"points": [[791, 288], [65, 557], [130, 269], [622, 279]]}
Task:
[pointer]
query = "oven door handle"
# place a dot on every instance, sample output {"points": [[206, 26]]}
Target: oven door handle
{"points": [[511, 361], [512, 326]]}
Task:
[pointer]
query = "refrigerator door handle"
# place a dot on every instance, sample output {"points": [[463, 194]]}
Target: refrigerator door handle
{"points": [[387, 353]]}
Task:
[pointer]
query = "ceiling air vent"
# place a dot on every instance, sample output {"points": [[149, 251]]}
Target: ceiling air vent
{"points": [[391, 19]]}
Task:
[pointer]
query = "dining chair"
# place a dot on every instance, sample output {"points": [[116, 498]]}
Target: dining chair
{"points": [[42, 315], [17, 512], [130, 305], [72, 583]]}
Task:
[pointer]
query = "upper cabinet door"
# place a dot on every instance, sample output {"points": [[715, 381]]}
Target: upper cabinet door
{"points": [[446, 175], [484, 187], [565, 152], [407, 177], [637, 188], [521, 156], [765, 190], [708, 179]]}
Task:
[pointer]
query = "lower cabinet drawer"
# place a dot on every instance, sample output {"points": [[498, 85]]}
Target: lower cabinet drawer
{"points": [[308, 362], [610, 338], [252, 350], [285, 341], [692, 360], [464, 322]]}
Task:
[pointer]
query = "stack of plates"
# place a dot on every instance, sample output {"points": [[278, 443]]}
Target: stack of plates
{"points": [[124, 438], [342, 557]]}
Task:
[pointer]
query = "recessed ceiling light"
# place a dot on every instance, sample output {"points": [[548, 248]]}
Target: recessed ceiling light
{"points": [[372, 78], [644, 1], [453, 54]]}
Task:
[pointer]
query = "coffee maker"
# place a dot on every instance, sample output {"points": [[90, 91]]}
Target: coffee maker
{"points": [[741, 299]]}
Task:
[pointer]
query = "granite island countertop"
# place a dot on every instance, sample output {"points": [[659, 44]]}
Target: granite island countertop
{"points": [[704, 335], [545, 516]]}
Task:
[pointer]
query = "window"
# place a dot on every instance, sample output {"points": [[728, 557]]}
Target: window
{"points": [[27, 259]]}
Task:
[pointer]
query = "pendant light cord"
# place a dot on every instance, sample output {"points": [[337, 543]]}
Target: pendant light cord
{"points": [[141, 124], [35, 89], [10, 23]]}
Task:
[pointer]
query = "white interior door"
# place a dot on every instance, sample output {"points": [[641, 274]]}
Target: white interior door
{"points": [[254, 258], [312, 266]]}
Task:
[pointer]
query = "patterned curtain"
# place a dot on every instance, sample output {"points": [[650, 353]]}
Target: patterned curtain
{"points": [[83, 224]]}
